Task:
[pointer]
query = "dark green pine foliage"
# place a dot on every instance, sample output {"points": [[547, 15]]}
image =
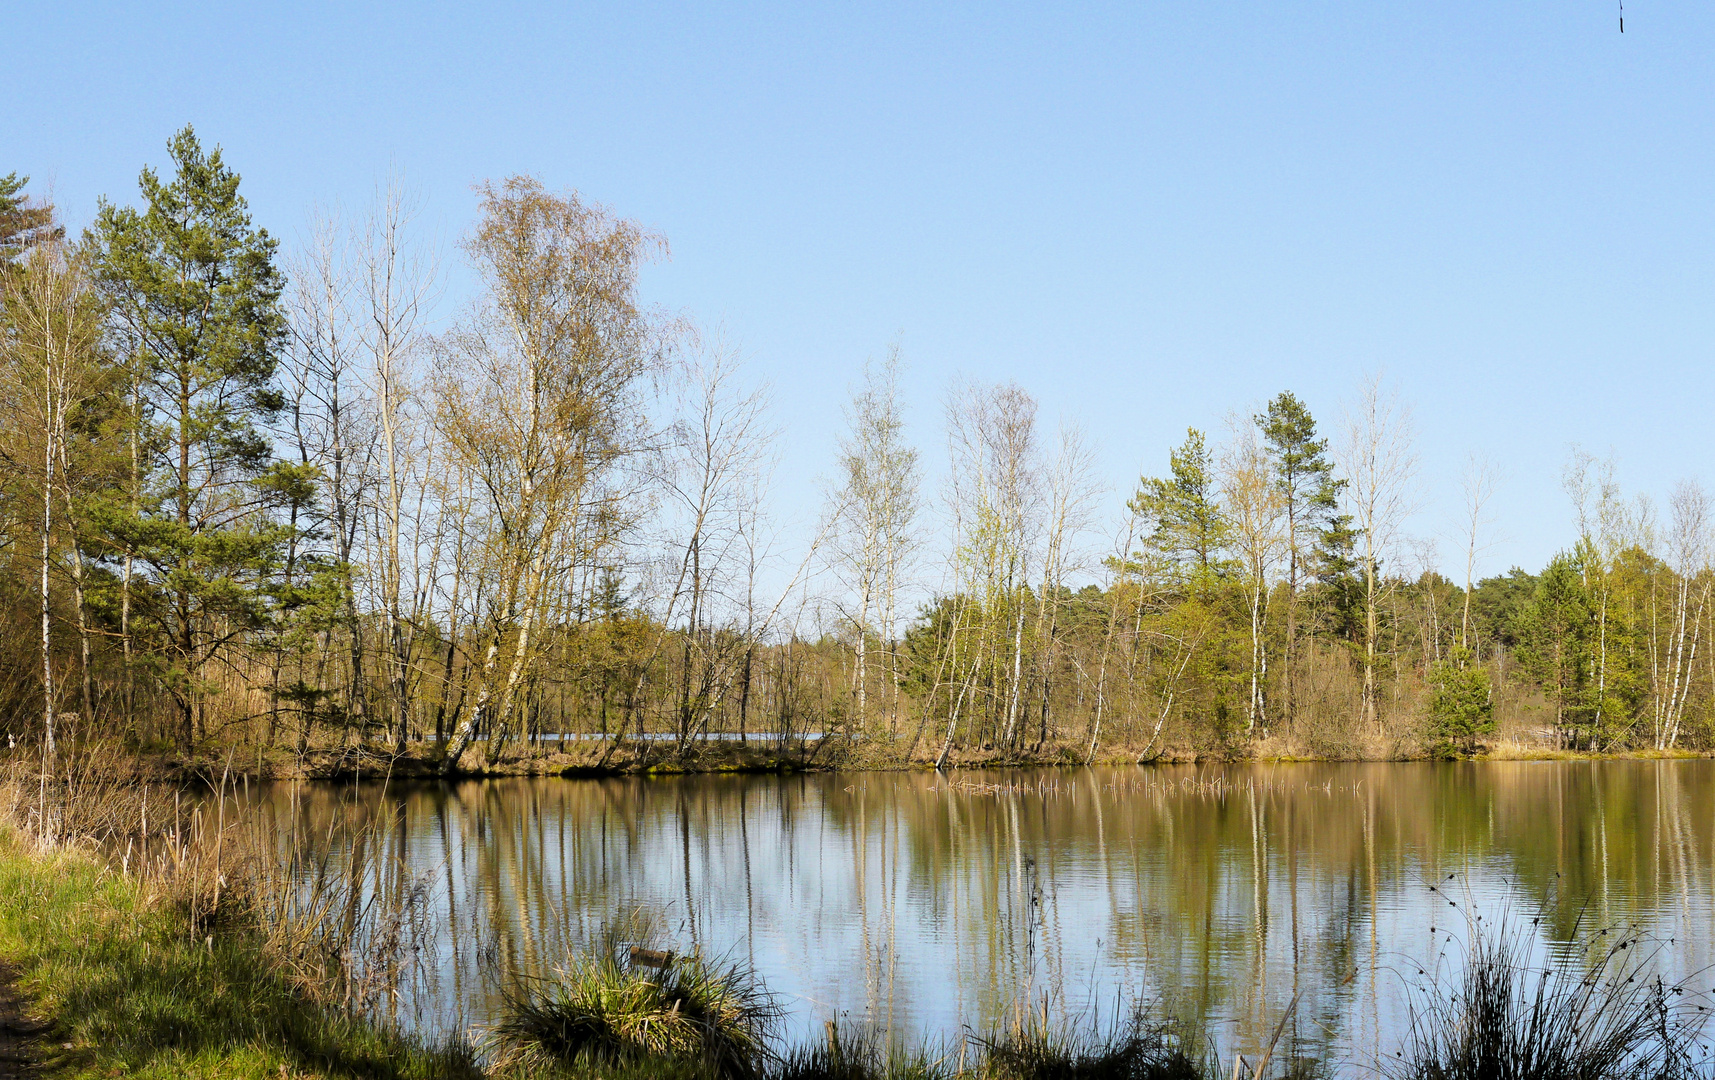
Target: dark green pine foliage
{"points": [[1497, 608], [1309, 491], [1461, 705], [1339, 588], [24, 223], [196, 300], [1310, 497], [1556, 646], [1188, 531]]}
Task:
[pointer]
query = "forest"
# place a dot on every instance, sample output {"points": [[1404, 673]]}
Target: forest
{"points": [[262, 502]]}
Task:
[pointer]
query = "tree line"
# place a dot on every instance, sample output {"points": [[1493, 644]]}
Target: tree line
{"points": [[280, 501]]}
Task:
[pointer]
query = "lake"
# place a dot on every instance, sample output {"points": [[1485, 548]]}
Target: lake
{"points": [[924, 905]]}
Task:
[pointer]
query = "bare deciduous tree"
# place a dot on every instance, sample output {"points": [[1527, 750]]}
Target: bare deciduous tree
{"points": [[1380, 463], [874, 537], [398, 283], [1477, 485], [50, 371]]}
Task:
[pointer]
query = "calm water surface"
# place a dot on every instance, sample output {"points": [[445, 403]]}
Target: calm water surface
{"points": [[925, 904]]}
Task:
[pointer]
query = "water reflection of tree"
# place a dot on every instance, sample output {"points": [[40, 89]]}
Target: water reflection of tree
{"points": [[908, 898]]}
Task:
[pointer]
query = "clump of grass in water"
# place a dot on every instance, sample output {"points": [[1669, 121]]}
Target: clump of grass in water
{"points": [[1604, 1014], [602, 1010], [857, 1056], [1140, 1048]]}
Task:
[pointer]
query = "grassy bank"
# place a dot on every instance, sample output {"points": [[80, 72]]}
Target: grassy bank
{"points": [[127, 988]]}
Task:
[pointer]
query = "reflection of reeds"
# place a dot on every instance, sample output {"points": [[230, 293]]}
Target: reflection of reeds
{"points": [[1595, 1014]]}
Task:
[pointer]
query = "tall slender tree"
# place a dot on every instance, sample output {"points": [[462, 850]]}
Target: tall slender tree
{"points": [[1380, 464], [878, 502], [195, 297], [1309, 499], [51, 374]]}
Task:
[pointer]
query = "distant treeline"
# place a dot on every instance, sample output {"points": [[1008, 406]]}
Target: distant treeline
{"points": [[276, 501]]}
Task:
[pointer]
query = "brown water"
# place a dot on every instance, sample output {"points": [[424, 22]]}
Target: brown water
{"points": [[923, 904]]}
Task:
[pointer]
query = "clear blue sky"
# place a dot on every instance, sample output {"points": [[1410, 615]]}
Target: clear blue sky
{"points": [[1147, 214]]}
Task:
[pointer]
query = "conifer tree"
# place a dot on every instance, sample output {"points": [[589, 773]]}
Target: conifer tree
{"points": [[24, 222], [1189, 528], [196, 300], [1310, 497]]}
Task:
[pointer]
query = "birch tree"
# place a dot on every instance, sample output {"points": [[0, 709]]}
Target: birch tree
{"points": [[51, 372], [1602, 528], [720, 442], [398, 285], [1255, 511], [994, 499], [1688, 558], [331, 424], [539, 398], [874, 539], [1071, 494], [1380, 464]]}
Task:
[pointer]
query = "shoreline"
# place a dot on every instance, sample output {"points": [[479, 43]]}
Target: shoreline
{"points": [[422, 763]]}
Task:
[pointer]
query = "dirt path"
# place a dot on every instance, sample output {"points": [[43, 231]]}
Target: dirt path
{"points": [[18, 1033]]}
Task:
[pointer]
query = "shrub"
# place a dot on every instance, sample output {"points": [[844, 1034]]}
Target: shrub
{"points": [[602, 1010], [1461, 706]]}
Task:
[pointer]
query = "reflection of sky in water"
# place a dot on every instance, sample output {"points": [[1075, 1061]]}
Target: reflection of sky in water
{"points": [[923, 903]]}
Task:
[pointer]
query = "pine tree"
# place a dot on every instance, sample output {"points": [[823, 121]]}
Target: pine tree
{"points": [[1461, 705], [1189, 528], [196, 300], [1310, 497], [1339, 581], [24, 222]]}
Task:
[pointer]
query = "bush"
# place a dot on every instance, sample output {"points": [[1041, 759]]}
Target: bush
{"points": [[602, 1010], [1139, 1049], [1461, 706]]}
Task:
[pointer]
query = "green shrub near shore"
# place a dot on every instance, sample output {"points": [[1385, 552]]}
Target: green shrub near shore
{"points": [[602, 1012]]}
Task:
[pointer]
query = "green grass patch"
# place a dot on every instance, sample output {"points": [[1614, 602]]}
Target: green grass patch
{"points": [[130, 992]]}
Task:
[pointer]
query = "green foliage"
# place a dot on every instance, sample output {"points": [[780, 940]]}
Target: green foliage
{"points": [[1461, 704], [1140, 1049], [1304, 476], [1498, 605], [603, 1011], [1188, 531], [196, 299], [1339, 590], [1577, 638]]}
